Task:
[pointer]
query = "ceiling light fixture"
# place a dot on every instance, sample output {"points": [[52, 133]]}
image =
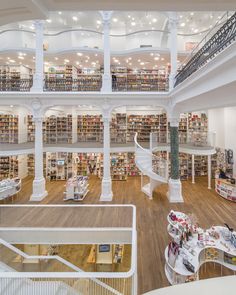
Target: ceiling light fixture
{"points": [[80, 54], [75, 18], [182, 25], [133, 24], [115, 20], [49, 20]]}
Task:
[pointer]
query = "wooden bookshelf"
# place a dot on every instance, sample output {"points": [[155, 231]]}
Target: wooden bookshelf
{"points": [[8, 128], [89, 128], [8, 167], [59, 166], [132, 169], [118, 128]]}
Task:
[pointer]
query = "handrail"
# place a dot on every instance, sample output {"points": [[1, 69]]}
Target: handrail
{"points": [[154, 158], [127, 274], [55, 257], [225, 36]]}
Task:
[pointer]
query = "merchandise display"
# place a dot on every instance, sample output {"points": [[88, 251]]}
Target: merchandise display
{"points": [[192, 246], [59, 166], [226, 188], [9, 187], [76, 188]]}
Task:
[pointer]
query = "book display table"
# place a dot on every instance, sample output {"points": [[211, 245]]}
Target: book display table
{"points": [[192, 246], [76, 188], [225, 189], [9, 187]]}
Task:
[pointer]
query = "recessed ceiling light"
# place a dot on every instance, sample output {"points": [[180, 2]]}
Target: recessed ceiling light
{"points": [[95, 54], [66, 60], [129, 16], [75, 18], [142, 63], [133, 23], [27, 66], [21, 57], [59, 12], [162, 58], [77, 63], [154, 20], [79, 54], [139, 60], [192, 13], [182, 24], [99, 22], [86, 60], [133, 18], [181, 16], [56, 58], [196, 31], [49, 20], [12, 60], [156, 58], [115, 20], [8, 58]]}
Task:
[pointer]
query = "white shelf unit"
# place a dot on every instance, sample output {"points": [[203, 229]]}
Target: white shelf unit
{"points": [[59, 166], [76, 188], [211, 249]]}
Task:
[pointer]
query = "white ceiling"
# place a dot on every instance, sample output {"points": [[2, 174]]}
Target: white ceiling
{"points": [[18, 10]]}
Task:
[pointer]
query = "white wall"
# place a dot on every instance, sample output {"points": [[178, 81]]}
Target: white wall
{"points": [[223, 122]]}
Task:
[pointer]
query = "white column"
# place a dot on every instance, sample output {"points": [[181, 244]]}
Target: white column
{"points": [[209, 171], [106, 194], [193, 169], [39, 62], [106, 78], [39, 186], [173, 21]]}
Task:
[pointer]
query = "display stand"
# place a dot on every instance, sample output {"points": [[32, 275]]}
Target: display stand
{"points": [[76, 188], [196, 247], [226, 189], [106, 254], [9, 187]]}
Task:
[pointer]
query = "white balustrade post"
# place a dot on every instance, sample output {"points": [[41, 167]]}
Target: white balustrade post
{"points": [[193, 169], [39, 185], [106, 78], [209, 170], [106, 194], [173, 22], [38, 79]]}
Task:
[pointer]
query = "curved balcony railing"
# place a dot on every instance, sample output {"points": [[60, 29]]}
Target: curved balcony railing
{"points": [[191, 139], [225, 36]]}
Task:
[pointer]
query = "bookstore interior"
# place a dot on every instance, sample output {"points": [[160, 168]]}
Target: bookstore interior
{"points": [[98, 108]]}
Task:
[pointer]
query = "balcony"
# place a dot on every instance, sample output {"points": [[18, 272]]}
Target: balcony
{"points": [[90, 83], [49, 272]]}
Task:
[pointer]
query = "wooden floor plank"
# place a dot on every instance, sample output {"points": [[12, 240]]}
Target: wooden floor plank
{"points": [[208, 207]]}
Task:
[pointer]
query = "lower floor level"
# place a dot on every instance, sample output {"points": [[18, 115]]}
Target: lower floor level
{"points": [[208, 207]]}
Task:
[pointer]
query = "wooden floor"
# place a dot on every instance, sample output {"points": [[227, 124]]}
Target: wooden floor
{"points": [[208, 207]]}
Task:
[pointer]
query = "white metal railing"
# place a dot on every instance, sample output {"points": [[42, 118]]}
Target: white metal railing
{"points": [[70, 278], [190, 138], [148, 162]]}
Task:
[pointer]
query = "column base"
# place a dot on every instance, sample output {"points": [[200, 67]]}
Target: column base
{"points": [[106, 195], [39, 192], [106, 83], [175, 191]]}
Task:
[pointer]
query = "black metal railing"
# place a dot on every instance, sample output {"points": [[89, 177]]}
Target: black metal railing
{"points": [[139, 82], [15, 84], [83, 83], [225, 36]]}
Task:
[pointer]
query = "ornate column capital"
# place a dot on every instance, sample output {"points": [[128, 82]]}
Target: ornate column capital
{"points": [[38, 24], [174, 121], [173, 20], [37, 110], [106, 16]]}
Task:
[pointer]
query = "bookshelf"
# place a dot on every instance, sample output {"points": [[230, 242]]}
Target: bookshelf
{"points": [[183, 129], [59, 166], [219, 160], [89, 128], [119, 162], [12, 76], [132, 169], [118, 129], [85, 163], [8, 128], [8, 167]]}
